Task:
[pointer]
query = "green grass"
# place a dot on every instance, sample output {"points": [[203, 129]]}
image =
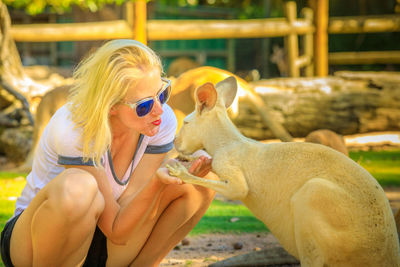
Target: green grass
{"points": [[218, 220], [383, 165], [11, 185]]}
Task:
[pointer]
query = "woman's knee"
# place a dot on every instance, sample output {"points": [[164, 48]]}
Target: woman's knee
{"points": [[197, 194], [77, 193]]}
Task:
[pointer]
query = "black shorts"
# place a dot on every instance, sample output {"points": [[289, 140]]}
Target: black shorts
{"points": [[97, 255]]}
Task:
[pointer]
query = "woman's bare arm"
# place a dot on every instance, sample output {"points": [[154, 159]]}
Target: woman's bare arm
{"points": [[142, 194]]}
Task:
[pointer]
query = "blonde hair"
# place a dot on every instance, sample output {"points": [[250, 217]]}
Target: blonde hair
{"points": [[101, 81]]}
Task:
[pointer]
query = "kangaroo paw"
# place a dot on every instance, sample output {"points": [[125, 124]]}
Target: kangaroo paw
{"points": [[176, 169]]}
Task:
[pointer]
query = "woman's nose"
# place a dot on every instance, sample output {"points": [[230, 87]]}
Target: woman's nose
{"points": [[157, 109]]}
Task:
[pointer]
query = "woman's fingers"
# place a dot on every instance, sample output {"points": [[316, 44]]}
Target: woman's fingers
{"points": [[195, 164], [206, 167], [201, 166]]}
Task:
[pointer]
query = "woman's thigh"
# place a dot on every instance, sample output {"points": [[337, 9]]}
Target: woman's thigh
{"points": [[51, 195], [124, 255]]}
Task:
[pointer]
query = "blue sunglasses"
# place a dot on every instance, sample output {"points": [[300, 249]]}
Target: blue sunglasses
{"points": [[144, 106]]}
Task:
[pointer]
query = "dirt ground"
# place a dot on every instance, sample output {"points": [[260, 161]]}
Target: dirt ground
{"points": [[204, 250]]}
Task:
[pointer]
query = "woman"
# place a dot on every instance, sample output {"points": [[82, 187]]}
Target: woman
{"points": [[98, 193]]}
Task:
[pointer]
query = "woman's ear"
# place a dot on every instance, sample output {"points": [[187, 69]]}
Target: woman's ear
{"points": [[206, 97], [113, 110]]}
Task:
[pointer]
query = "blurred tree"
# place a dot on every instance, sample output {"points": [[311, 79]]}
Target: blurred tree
{"points": [[34, 7], [11, 71]]}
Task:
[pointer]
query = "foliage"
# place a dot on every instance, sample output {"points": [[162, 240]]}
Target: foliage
{"points": [[34, 7], [245, 9]]}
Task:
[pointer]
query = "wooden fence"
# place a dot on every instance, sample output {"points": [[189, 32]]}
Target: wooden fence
{"points": [[366, 24], [290, 27]]}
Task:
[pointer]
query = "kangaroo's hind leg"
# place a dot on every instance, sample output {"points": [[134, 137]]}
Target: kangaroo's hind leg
{"points": [[323, 224]]}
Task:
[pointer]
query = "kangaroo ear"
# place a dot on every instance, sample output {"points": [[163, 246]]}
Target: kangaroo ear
{"points": [[206, 97], [227, 90]]}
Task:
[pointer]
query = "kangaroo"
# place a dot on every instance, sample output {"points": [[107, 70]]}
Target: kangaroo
{"points": [[324, 208], [49, 104], [328, 138]]}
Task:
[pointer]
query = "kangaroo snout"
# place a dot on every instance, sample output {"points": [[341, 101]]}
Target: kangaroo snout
{"points": [[182, 147], [177, 144], [182, 153]]}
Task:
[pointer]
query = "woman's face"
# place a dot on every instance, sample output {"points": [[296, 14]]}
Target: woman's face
{"points": [[127, 118]]}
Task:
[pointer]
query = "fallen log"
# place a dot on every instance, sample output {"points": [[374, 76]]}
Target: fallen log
{"points": [[347, 103]]}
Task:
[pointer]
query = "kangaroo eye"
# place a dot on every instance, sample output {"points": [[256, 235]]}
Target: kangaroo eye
{"points": [[185, 122]]}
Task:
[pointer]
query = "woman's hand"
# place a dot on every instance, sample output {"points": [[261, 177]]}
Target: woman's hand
{"points": [[201, 166]]}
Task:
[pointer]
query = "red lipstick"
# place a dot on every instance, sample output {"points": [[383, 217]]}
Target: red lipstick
{"points": [[157, 122]]}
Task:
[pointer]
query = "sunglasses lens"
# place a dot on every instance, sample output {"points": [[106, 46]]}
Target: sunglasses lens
{"points": [[144, 108], [164, 95]]}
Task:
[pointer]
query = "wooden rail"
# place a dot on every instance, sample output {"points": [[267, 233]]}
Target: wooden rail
{"points": [[161, 30], [87, 31], [369, 57], [365, 24], [209, 29]]}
